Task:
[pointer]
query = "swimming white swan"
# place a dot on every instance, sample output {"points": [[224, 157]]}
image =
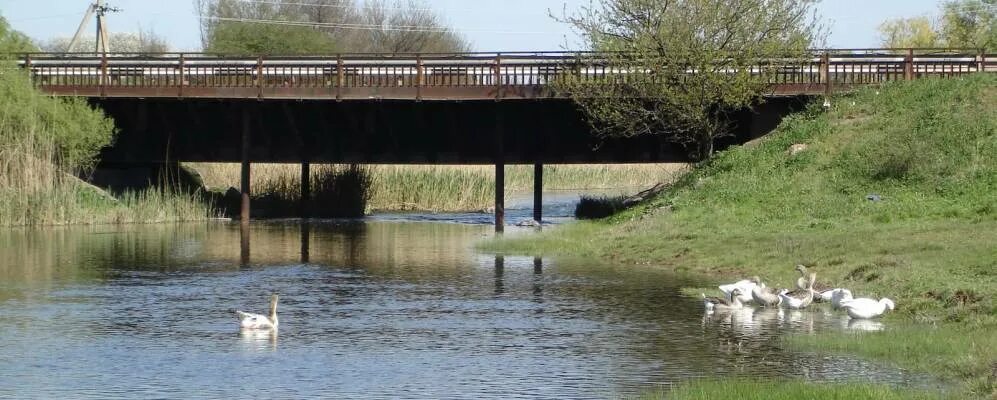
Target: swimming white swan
{"points": [[716, 303], [257, 321], [865, 308], [745, 287], [763, 295]]}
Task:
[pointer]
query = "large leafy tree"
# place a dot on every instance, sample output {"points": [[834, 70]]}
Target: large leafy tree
{"points": [[970, 24], [122, 42], [909, 32], [12, 41], [963, 24], [682, 67], [324, 26]]}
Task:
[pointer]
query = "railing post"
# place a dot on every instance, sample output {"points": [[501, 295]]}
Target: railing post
{"points": [[982, 61], [259, 78], [183, 76], [420, 77], [498, 76], [825, 73], [909, 65], [27, 66], [340, 77], [103, 75]]}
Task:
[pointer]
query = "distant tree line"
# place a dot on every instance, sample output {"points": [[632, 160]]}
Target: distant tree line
{"points": [[118, 42], [963, 24], [324, 26]]}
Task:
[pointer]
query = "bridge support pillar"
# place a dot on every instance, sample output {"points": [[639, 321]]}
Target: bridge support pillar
{"points": [[246, 173], [306, 190], [538, 192], [500, 197]]}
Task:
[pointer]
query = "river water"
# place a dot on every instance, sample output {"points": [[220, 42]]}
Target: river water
{"points": [[396, 306]]}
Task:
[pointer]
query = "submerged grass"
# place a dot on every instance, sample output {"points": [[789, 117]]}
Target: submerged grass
{"points": [[788, 390], [925, 152], [442, 188]]}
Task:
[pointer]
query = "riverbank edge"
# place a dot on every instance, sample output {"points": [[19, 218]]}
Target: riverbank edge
{"points": [[946, 332]]}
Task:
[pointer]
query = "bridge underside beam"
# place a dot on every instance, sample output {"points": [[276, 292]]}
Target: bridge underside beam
{"points": [[383, 132]]}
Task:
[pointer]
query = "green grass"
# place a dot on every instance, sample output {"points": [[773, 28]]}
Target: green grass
{"points": [[788, 390], [44, 142], [928, 148]]}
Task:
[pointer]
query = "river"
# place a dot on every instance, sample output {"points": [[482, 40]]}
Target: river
{"points": [[394, 306]]}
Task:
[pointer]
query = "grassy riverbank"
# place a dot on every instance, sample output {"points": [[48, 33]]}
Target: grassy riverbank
{"points": [[927, 150], [443, 188], [44, 143]]}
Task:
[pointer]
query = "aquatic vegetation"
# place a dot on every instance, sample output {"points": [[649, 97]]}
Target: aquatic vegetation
{"points": [[442, 188]]}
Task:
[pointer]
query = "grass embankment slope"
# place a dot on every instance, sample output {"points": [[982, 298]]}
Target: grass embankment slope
{"points": [[928, 148], [46, 141]]}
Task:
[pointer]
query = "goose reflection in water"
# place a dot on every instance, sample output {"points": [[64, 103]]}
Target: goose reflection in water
{"points": [[863, 325], [256, 340]]}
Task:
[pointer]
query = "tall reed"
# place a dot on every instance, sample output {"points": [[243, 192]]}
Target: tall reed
{"points": [[44, 143], [442, 188]]}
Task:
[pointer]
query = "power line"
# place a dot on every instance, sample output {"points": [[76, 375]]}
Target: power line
{"points": [[351, 6], [47, 17]]}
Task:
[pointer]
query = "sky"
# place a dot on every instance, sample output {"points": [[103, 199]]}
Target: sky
{"points": [[491, 25]]}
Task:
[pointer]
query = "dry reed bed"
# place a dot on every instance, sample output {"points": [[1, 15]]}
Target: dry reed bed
{"points": [[441, 188]]}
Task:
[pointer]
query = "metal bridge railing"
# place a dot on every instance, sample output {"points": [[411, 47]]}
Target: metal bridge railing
{"points": [[177, 72]]}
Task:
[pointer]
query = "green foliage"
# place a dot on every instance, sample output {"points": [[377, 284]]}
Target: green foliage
{"points": [[323, 26], [75, 131], [12, 41], [909, 32], [968, 24], [252, 39], [720, 40]]}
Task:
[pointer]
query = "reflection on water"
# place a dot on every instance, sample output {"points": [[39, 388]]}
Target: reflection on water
{"points": [[373, 309], [258, 339]]}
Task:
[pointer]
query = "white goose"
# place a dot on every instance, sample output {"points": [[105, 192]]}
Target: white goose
{"points": [[716, 303], [798, 299], [836, 296], [763, 295], [865, 308], [257, 321], [744, 286]]}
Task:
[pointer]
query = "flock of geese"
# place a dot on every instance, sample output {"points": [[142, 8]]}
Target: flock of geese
{"points": [[736, 295], [808, 291]]}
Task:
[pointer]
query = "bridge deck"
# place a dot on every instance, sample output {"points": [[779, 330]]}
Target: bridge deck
{"points": [[472, 76]]}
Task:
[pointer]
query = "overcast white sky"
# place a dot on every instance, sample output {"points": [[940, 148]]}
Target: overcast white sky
{"points": [[491, 25]]}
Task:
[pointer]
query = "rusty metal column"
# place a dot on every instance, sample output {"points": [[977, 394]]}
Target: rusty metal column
{"points": [[306, 190], [909, 65], [246, 173], [499, 174], [500, 196], [538, 192]]}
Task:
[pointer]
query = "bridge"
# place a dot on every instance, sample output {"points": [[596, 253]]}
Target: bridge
{"points": [[470, 108]]}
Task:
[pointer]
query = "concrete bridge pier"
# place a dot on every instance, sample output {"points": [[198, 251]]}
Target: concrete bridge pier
{"points": [[499, 174]]}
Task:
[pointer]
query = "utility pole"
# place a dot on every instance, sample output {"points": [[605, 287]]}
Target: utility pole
{"points": [[102, 38]]}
